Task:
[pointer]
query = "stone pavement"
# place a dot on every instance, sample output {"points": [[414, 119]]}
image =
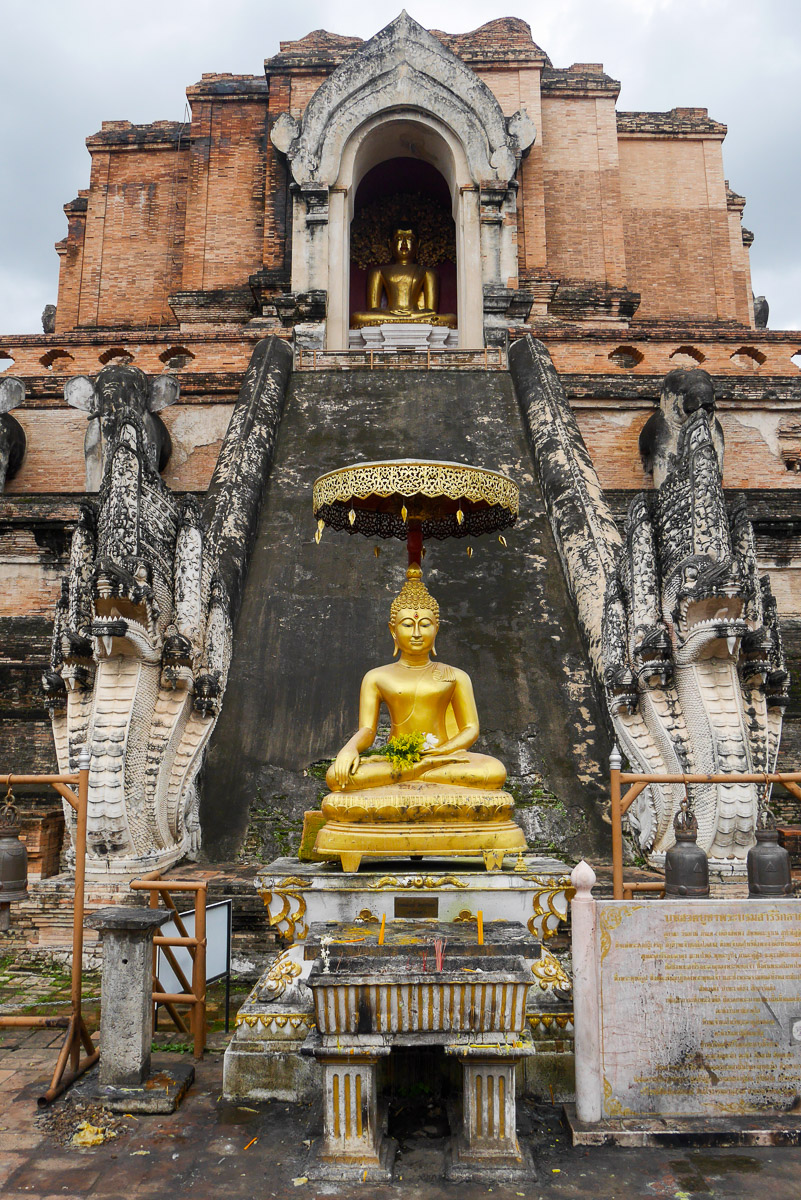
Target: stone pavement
{"points": [[211, 1149]]}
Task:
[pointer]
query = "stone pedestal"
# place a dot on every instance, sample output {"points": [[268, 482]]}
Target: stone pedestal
{"points": [[352, 1127], [404, 336], [126, 1007], [531, 889], [125, 1083], [487, 1142], [263, 1060]]}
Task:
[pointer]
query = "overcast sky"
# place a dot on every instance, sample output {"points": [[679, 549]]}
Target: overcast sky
{"points": [[69, 66]]}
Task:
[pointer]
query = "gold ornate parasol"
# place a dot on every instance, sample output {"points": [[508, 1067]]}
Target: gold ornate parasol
{"points": [[413, 499]]}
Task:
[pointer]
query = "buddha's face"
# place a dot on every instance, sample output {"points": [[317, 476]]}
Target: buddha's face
{"points": [[404, 246], [415, 630]]}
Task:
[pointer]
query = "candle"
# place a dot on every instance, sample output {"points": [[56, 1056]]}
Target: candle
{"points": [[480, 928], [381, 931]]}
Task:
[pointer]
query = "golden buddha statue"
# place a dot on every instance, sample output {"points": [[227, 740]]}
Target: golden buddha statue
{"points": [[411, 291], [447, 802]]}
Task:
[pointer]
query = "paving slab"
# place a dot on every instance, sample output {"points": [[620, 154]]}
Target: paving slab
{"points": [[212, 1150]]}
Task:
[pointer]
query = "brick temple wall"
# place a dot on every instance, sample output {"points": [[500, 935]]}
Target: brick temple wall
{"points": [[177, 209], [634, 200]]}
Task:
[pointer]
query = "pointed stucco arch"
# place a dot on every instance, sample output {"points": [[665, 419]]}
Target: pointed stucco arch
{"points": [[405, 133], [404, 88]]}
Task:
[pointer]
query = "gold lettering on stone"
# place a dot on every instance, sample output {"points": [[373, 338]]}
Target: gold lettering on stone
{"points": [[700, 1006]]}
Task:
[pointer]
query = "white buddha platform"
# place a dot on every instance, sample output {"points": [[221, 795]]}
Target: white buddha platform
{"points": [[264, 1060], [404, 335]]}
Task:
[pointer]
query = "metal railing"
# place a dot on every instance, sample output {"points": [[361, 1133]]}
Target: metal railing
{"points": [[77, 1034], [491, 358], [638, 782], [194, 994]]}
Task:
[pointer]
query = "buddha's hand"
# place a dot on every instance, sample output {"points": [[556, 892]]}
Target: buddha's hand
{"points": [[345, 764]]}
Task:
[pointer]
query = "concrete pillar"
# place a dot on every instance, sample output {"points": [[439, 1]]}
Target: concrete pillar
{"points": [[126, 1016], [585, 996], [350, 1108], [489, 1110]]}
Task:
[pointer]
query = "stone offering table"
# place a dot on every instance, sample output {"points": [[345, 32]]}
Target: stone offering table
{"points": [[263, 1060], [370, 997]]}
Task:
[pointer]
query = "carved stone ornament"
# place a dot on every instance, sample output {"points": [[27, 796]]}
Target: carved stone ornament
{"points": [[403, 67], [108, 399], [142, 631], [141, 646], [694, 669], [12, 435]]}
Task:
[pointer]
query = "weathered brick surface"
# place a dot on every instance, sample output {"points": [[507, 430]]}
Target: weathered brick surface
{"points": [[574, 188], [634, 200], [134, 225], [678, 243], [225, 203]]}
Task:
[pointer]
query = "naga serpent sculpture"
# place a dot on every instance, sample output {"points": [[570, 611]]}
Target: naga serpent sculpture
{"points": [[694, 669]]}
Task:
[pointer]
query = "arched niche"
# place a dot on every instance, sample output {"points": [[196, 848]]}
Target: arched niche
{"points": [[404, 94], [394, 177], [405, 135]]}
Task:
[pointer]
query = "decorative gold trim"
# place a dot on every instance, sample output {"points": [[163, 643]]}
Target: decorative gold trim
{"points": [[547, 1020], [549, 972], [612, 1105], [413, 477], [392, 883], [281, 974], [368, 917], [418, 808], [287, 889], [551, 901], [609, 919], [279, 1020]]}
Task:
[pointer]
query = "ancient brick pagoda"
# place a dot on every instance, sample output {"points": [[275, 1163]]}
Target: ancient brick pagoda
{"points": [[169, 485]]}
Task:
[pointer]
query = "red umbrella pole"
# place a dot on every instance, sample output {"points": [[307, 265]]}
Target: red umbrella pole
{"points": [[414, 543]]}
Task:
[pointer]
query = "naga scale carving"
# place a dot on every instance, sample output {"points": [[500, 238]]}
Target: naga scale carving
{"points": [[694, 669], [140, 651], [142, 633]]}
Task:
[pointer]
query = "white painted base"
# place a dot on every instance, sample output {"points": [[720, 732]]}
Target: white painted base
{"points": [[403, 336], [298, 894]]}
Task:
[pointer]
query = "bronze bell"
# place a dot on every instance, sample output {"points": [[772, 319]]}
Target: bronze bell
{"points": [[768, 863], [13, 859], [686, 865]]}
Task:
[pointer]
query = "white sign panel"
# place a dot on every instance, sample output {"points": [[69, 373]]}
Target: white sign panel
{"points": [[218, 947]]}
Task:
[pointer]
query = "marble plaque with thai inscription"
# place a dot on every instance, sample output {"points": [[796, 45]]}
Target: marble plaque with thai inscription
{"points": [[700, 1006]]}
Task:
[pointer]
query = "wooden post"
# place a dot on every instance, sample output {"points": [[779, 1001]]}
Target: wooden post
{"points": [[199, 973]]}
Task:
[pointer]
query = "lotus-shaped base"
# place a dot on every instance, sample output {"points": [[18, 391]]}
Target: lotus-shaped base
{"points": [[418, 819]]}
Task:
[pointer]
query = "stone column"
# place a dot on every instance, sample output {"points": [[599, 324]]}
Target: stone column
{"points": [[585, 996], [350, 1107], [126, 1015], [489, 1110]]}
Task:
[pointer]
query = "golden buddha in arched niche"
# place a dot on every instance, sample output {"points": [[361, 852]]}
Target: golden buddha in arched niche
{"points": [[402, 291]]}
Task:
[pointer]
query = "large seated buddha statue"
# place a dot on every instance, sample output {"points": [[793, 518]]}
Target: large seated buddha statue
{"points": [[445, 799], [411, 291]]}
